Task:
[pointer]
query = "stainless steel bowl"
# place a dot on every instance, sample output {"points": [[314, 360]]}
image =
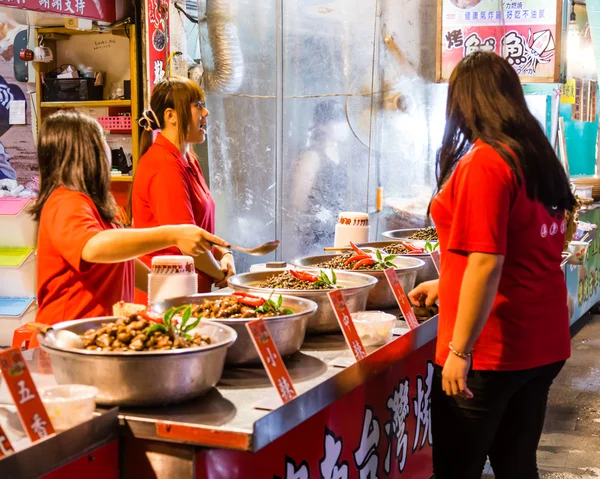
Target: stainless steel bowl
{"points": [[287, 331], [400, 235], [356, 288], [381, 296], [426, 273], [144, 378]]}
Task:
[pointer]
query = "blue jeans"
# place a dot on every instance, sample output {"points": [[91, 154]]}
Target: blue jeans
{"points": [[503, 421]]}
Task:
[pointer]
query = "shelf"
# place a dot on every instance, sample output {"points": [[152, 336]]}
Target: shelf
{"points": [[124, 178], [85, 104]]}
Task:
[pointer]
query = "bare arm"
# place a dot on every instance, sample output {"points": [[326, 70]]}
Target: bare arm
{"points": [[141, 276], [477, 294], [114, 246], [207, 264]]}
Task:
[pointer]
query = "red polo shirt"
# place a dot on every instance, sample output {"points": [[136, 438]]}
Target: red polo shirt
{"points": [[169, 189], [482, 209], [68, 287]]}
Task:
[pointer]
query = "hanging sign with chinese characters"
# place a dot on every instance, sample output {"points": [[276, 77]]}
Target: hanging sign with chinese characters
{"points": [[401, 298], [157, 40], [272, 361], [6, 448], [103, 10], [523, 32], [340, 308], [29, 405]]}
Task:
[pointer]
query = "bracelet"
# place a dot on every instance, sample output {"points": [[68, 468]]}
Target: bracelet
{"points": [[227, 252], [459, 354]]}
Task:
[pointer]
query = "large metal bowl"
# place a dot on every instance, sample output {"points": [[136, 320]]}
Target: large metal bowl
{"points": [[145, 378], [287, 331], [426, 273], [381, 296], [356, 288], [400, 235]]}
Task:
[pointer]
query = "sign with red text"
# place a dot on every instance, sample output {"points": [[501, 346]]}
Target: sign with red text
{"points": [[523, 32], [272, 361], [103, 10], [401, 298], [30, 408], [6, 448], [381, 429], [157, 41], [342, 313]]}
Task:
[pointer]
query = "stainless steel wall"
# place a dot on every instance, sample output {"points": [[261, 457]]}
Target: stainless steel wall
{"points": [[312, 109]]}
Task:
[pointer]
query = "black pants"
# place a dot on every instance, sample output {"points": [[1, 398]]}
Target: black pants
{"points": [[503, 421]]}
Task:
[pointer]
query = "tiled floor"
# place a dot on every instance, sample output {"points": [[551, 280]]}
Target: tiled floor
{"points": [[570, 446]]}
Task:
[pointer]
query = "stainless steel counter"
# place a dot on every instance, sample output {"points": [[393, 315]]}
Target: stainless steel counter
{"points": [[227, 416]]}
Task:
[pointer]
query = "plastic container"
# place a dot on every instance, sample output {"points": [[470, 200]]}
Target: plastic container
{"points": [[374, 327], [14, 312], [351, 226], [69, 405], [17, 227], [18, 268]]}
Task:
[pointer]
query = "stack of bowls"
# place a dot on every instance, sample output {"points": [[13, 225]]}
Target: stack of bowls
{"points": [[172, 277]]}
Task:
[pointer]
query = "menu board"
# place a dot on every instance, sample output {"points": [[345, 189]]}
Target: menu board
{"points": [[524, 32]]}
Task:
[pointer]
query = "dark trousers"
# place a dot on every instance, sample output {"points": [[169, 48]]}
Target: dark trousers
{"points": [[503, 421]]}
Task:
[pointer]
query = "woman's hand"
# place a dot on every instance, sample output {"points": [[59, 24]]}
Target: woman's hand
{"points": [[427, 292], [228, 268], [454, 377], [192, 240]]}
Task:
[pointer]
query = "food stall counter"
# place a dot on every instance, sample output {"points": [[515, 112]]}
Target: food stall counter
{"points": [[241, 425]]}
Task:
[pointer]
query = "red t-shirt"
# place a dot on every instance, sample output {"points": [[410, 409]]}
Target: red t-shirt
{"points": [[68, 287], [482, 209], [169, 189]]}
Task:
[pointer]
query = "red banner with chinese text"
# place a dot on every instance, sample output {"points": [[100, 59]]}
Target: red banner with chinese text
{"points": [[157, 40], [381, 429], [103, 10]]}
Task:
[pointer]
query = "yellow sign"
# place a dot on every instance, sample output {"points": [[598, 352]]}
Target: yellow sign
{"points": [[568, 92]]}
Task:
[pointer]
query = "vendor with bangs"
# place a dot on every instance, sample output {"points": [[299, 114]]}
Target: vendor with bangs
{"points": [[169, 187]]}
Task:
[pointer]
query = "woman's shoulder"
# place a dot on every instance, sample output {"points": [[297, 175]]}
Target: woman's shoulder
{"points": [[484, 156], [158, 158], [67, 201]]}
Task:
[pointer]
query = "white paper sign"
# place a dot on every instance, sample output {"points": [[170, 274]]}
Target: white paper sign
{"points": [[16, 115]]}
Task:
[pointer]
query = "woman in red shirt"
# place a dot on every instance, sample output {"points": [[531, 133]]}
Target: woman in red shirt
{"points": [[503, 330], [85, 259], [169, 187]]}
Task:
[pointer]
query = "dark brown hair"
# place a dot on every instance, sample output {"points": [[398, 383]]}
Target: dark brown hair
{"points": [[71, 153], [486, 102], [177, 93]]}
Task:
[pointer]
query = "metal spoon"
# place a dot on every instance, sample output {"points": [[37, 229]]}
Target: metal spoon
{"points": [[261, 250], [63, 338]]}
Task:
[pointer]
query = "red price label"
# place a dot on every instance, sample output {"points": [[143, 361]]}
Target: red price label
{"points": [[6, 448], [435, 257], [272, 361], [343, 316], [30, 408], [401, 298]]}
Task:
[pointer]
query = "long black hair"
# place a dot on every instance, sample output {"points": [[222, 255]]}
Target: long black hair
{"points": [[486, 102]]}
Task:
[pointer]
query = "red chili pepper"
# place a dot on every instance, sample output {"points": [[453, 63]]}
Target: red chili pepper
{"points": [[356, 249], [416, 252], [150, 317], [304, 276], [410, 247], [357, 257], [364, 262], [249, 299]]}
